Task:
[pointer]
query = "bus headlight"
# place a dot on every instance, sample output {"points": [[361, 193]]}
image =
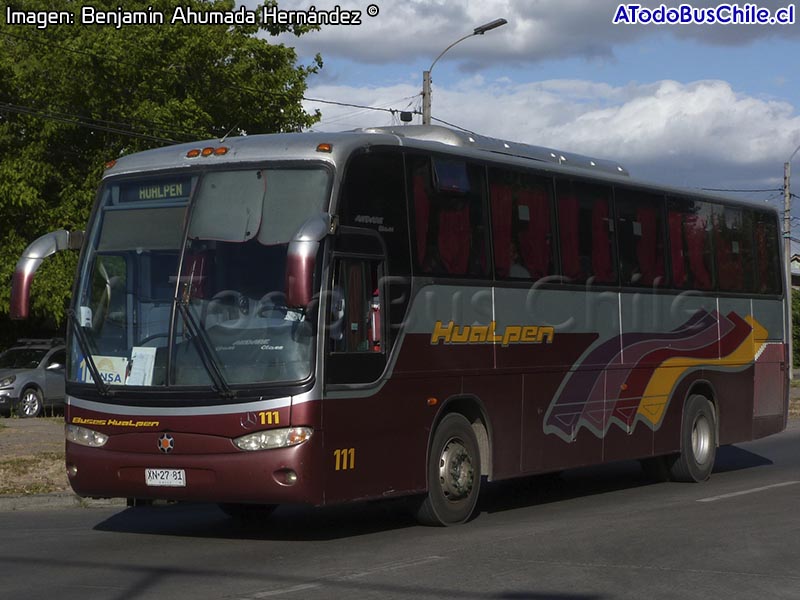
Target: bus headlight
{"points": [[274, 438], [85, 437]]}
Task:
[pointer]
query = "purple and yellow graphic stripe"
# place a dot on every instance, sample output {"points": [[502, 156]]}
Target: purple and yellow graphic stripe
{"points": [[630, 378]]}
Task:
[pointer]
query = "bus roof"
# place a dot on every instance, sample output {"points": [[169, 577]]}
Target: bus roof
{"points": [[304, 146], [338, 146], [463, 139]]}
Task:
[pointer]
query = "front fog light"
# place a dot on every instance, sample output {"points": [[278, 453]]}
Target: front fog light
{"points": [[85, 437], [274, 438]]}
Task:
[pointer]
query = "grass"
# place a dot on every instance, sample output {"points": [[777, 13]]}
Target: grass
{"points": [[39, 474]]}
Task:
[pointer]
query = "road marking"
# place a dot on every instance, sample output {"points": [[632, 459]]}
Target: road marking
{"points": [[289, 590], [750, 491], [344, 578]]}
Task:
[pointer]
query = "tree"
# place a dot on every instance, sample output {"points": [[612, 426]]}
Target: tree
{"points": [[73, 96]]}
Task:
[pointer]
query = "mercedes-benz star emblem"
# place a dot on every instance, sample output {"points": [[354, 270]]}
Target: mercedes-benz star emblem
{"points": [[166, 443]]}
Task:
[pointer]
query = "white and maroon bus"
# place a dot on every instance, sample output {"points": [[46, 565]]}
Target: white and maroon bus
{"points": [[320, 318]]}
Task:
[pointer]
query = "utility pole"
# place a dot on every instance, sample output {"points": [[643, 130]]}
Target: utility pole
{"points": [[787, 252], [426, 75]]}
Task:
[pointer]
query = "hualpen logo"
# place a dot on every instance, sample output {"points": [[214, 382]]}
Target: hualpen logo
{"points": [[487, 334]]}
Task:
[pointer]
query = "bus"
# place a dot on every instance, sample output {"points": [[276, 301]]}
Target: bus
{"points": [[320, 318]]}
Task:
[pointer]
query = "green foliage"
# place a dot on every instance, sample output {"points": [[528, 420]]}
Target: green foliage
{"points": [[73, 97]]}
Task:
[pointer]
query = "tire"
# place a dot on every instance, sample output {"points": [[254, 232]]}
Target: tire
{"points": [[248, 513], [698, 441], [454, 474], [30, 403]]}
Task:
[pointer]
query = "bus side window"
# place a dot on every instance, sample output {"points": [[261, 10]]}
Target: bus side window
{"points": [[585, 228], [448, 197], [521, 225], [640, 231], [689, 223], [767, 253], [733, 242]]}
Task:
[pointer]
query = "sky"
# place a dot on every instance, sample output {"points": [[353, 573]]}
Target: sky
{"points": [[697, 106]]}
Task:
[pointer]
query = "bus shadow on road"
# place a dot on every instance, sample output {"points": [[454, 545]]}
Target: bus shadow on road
{"points": [[287, 523], [733, 458], [595, 480]]}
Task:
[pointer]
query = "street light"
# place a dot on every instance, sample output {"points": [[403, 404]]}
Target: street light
{"points": [[426, 75], [787, 246]]}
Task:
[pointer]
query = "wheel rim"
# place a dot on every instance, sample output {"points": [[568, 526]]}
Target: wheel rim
{"points": [[30, 403], [701, 439], [456, 472]]}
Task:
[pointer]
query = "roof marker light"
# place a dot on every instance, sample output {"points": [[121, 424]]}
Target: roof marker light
{"points": [[193, 153], [110, 164], [325, 147], [207, 151], [221, 151]]}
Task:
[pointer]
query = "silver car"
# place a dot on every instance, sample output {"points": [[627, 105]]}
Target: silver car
{"points": [[32, 377]]}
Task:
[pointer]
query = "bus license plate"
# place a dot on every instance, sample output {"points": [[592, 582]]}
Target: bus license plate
{"points": [[165, 477]]}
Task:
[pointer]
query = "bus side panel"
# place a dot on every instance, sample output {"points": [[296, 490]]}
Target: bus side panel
{"points": [[376, 441], [771, 378], [733, 393], [539, 390]]}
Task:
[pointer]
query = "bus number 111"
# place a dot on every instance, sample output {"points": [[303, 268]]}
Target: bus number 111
{"points": [[345, 459]]}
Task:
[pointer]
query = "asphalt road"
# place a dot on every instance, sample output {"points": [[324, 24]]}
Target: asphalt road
{"points": [[590, 534]]}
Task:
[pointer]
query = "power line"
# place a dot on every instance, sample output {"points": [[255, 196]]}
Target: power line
{"points": [[80, 122], [452, 125], [742, 191]]}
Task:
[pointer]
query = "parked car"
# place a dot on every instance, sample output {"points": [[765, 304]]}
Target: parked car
{"points": [[32, 376]]}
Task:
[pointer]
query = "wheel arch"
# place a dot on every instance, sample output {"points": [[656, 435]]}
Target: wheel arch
{"points": [[471, 408]]}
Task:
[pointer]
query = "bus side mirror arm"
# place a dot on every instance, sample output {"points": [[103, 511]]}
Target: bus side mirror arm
{"points": [[302, 258], [32, 258]]}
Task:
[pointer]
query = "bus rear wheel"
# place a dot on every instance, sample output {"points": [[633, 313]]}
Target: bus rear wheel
{"points": [[698, 441], [454, 474]]}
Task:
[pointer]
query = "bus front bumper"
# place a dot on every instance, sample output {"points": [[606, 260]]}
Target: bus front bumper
{"points": [[276, 476]]}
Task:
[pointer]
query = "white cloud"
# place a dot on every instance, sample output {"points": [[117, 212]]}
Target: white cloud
{"points": [[537, 30], [701, 134]]}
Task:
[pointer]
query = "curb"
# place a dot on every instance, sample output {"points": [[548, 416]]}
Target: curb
{"points": [[55, 501]]}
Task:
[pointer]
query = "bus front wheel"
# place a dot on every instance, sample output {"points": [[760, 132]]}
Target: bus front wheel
{"points": [[454, 474], [698, 441]]}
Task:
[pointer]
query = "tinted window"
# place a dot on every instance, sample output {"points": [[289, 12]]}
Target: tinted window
{"points": [[640, 238], [521, 225], [449, 221], [733, 246], [585, 230], [374, 197], [690, 243], [21, 358], [767, 251]]}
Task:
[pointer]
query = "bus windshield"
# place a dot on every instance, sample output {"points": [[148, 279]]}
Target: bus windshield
{"points": [[201, 258]]}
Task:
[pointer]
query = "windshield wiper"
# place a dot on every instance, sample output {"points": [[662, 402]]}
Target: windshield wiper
{"points": [[83, 342], [198, 335]]}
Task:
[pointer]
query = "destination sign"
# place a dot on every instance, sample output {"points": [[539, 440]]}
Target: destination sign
{"points": [[154, 190]]}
